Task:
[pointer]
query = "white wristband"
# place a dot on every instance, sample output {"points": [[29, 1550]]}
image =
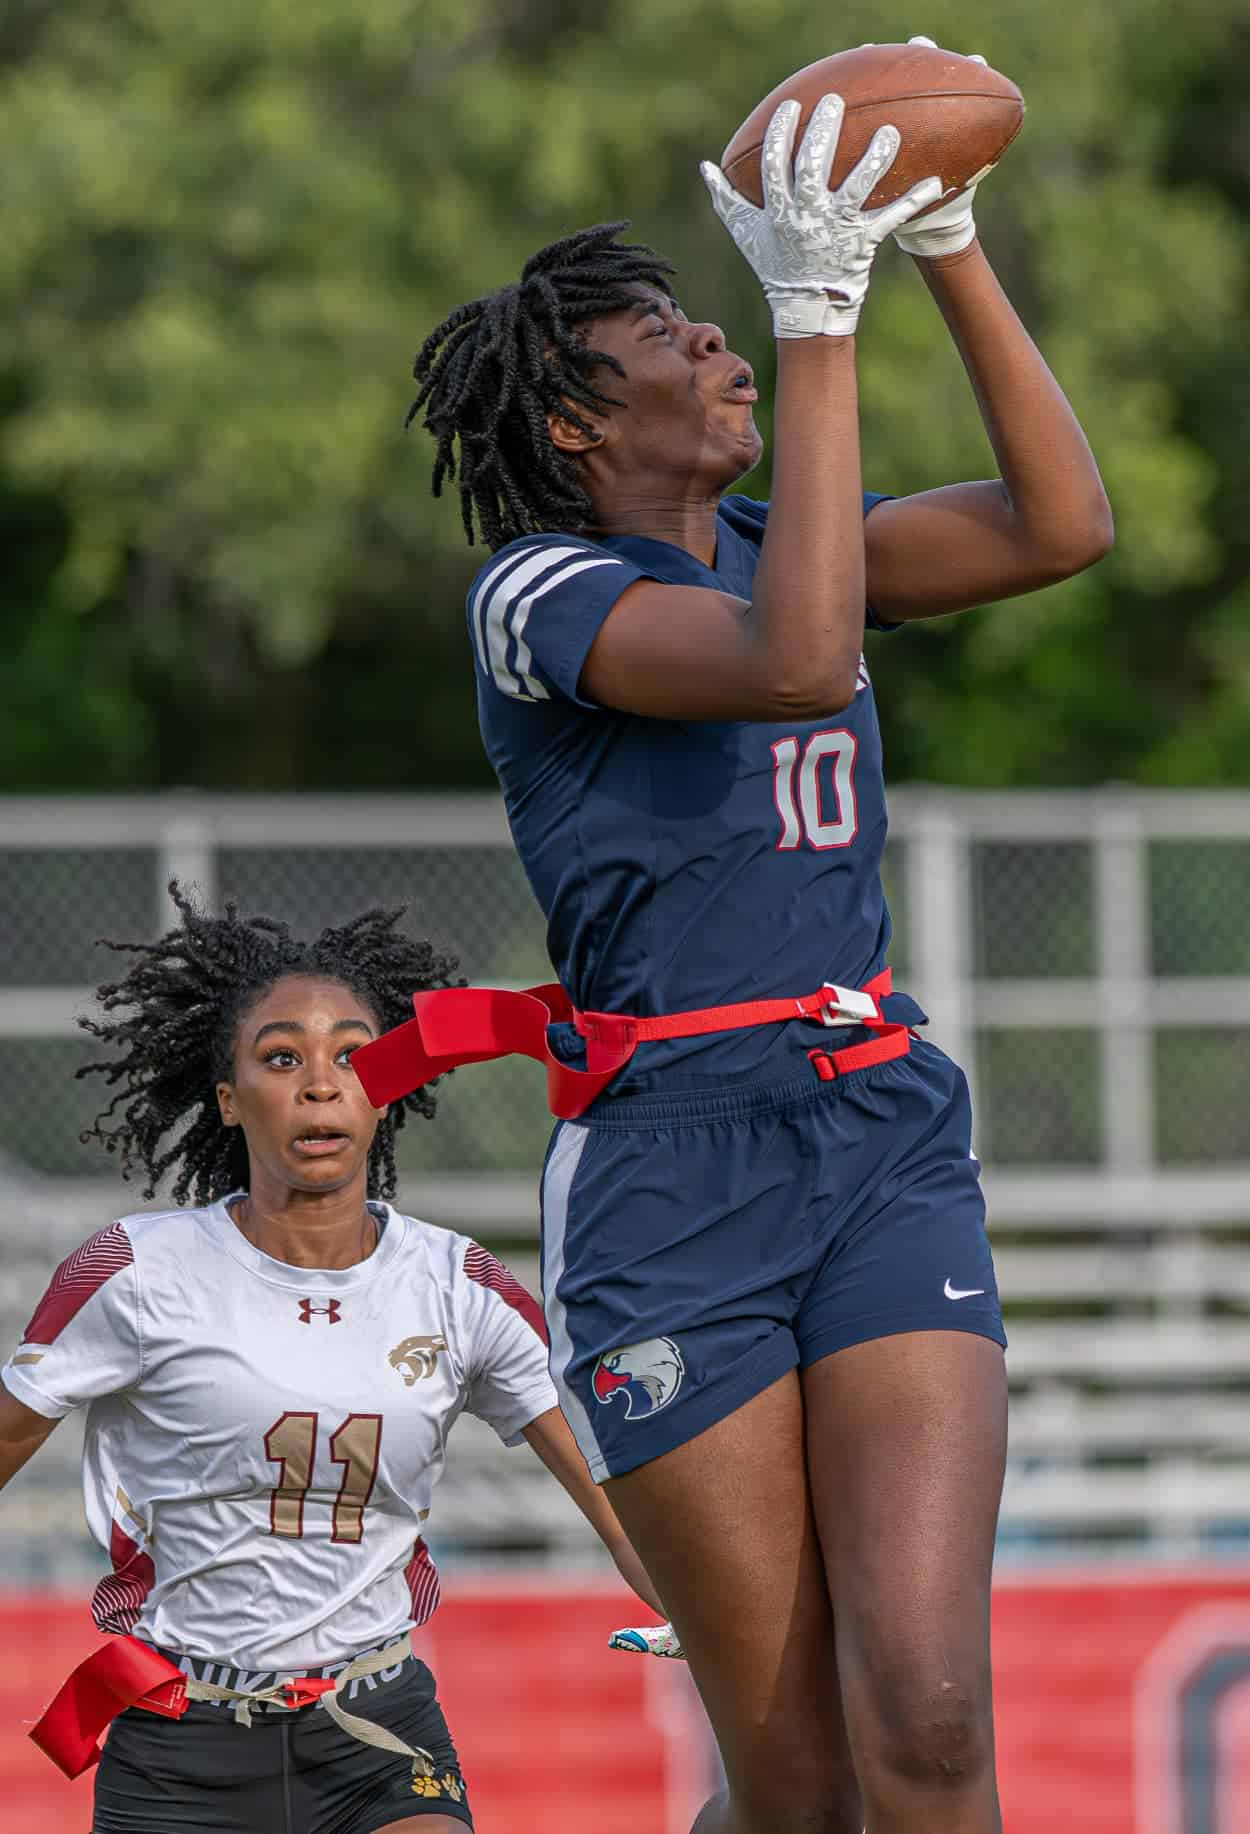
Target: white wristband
{"points": [[808, 315], [944, 240]]}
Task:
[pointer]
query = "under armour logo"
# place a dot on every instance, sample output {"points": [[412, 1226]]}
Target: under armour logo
{"points": [[330, 1310]]}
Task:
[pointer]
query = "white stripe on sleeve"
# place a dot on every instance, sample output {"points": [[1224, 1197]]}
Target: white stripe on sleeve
{"points": [[495, 576], [500, 611], [521, 617]]}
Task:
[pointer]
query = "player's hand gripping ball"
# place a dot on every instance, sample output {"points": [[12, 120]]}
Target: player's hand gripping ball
{"points": [[813, 246], [948, 227], [955, 116]]}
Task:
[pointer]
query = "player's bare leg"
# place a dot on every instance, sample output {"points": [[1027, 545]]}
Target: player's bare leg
{"points": [[725, 1528], [424, 1824], [906, 1447]]}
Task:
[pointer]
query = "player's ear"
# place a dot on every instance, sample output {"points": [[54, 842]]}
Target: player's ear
{"points": [[566, 436], [225, 1105]]}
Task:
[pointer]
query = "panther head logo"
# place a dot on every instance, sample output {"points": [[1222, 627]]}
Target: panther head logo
{"points": [[416, 1356]]}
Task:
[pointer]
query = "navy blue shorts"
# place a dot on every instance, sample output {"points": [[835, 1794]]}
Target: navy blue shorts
{"points": [[696, 1248]]}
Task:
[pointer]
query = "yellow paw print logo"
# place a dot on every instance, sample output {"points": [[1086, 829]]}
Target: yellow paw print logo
{"points": [[433, 1789]]}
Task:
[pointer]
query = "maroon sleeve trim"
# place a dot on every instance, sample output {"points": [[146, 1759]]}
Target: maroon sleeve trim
{"points": [[118, 1599], [483, 1267], [76, 1279], [423, 1583]]}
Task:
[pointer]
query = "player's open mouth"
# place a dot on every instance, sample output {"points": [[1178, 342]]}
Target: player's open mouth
{"points": [[737, 379], [742, 385], [316, 1143]]}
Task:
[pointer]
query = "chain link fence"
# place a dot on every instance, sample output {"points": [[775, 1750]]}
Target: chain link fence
{"points": [[1030, 972]]}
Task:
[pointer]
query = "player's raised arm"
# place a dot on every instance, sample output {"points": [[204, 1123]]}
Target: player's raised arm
{"points": [[792, 652], [1047, 516], [22, 1432]]}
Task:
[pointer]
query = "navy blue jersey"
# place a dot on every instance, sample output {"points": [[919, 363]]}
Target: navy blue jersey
{"points": [[679, 863]]}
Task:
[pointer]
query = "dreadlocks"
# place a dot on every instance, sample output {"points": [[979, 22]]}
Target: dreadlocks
{"points": [[185, 995], [492, 372]]}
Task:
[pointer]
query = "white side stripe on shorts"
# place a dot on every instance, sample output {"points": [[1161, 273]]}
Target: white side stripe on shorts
{"points": [[501, 609], [562, 1164]]}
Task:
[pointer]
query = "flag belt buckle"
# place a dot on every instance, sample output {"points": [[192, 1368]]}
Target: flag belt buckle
{"points": [[846, 1006]]}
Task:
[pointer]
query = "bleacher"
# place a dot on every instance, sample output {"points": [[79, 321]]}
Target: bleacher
{"points": [[1129, 1364]]}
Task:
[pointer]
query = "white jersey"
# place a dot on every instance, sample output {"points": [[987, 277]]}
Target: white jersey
{"points": [[262, 1440]]}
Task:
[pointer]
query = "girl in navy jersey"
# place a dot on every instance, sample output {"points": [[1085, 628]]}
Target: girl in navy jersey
{"points": [[271, 1375], [770, 1297]]}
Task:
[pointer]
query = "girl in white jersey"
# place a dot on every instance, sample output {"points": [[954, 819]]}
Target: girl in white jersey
{"points": [[271, 1376]]}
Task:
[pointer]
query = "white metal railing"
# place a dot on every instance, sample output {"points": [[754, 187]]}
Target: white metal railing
{"points": [[503, 1206]]}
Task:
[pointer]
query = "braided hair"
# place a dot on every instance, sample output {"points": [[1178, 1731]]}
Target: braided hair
{"points": [[491, 373], [184, 997]]}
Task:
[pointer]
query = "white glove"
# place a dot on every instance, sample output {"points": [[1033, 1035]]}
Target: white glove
{"points": [[649, 1640], [950, 229], [808, 242]]}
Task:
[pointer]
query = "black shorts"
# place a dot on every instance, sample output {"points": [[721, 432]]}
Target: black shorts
{"points": [[289, 1773]]}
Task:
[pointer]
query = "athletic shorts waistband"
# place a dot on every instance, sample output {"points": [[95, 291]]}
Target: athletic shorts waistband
{"points": [[229, 1672], [737, 1102]]}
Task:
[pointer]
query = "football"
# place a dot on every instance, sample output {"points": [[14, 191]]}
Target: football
{"points": [[956, 117]]}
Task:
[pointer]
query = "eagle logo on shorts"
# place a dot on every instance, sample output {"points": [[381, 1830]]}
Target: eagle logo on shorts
{"points": [[647, 1374], [416, 1357]]}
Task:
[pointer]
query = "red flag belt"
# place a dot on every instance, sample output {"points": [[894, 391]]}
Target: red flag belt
{"points": [[461, 1025], [128, 1673], [123, 1673]]}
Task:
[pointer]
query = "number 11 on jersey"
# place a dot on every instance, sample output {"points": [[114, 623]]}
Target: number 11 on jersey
{"points": [[804, 815], [291, 1443]]}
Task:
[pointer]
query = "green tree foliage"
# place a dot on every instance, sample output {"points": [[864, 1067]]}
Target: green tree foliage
{"points": [[227, 228]]}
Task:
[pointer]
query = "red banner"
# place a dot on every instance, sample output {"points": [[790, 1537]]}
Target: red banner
{"points": [[1123, 1701], [1123, 1707]]}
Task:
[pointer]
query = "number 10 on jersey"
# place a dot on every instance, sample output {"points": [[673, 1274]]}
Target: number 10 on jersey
{"points": [[799, 780]]}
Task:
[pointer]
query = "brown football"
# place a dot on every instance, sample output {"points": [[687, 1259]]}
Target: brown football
{"points": [[956, 117]]}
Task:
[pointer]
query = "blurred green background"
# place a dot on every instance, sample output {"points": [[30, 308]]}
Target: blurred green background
{"points": [[226, 229]]}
